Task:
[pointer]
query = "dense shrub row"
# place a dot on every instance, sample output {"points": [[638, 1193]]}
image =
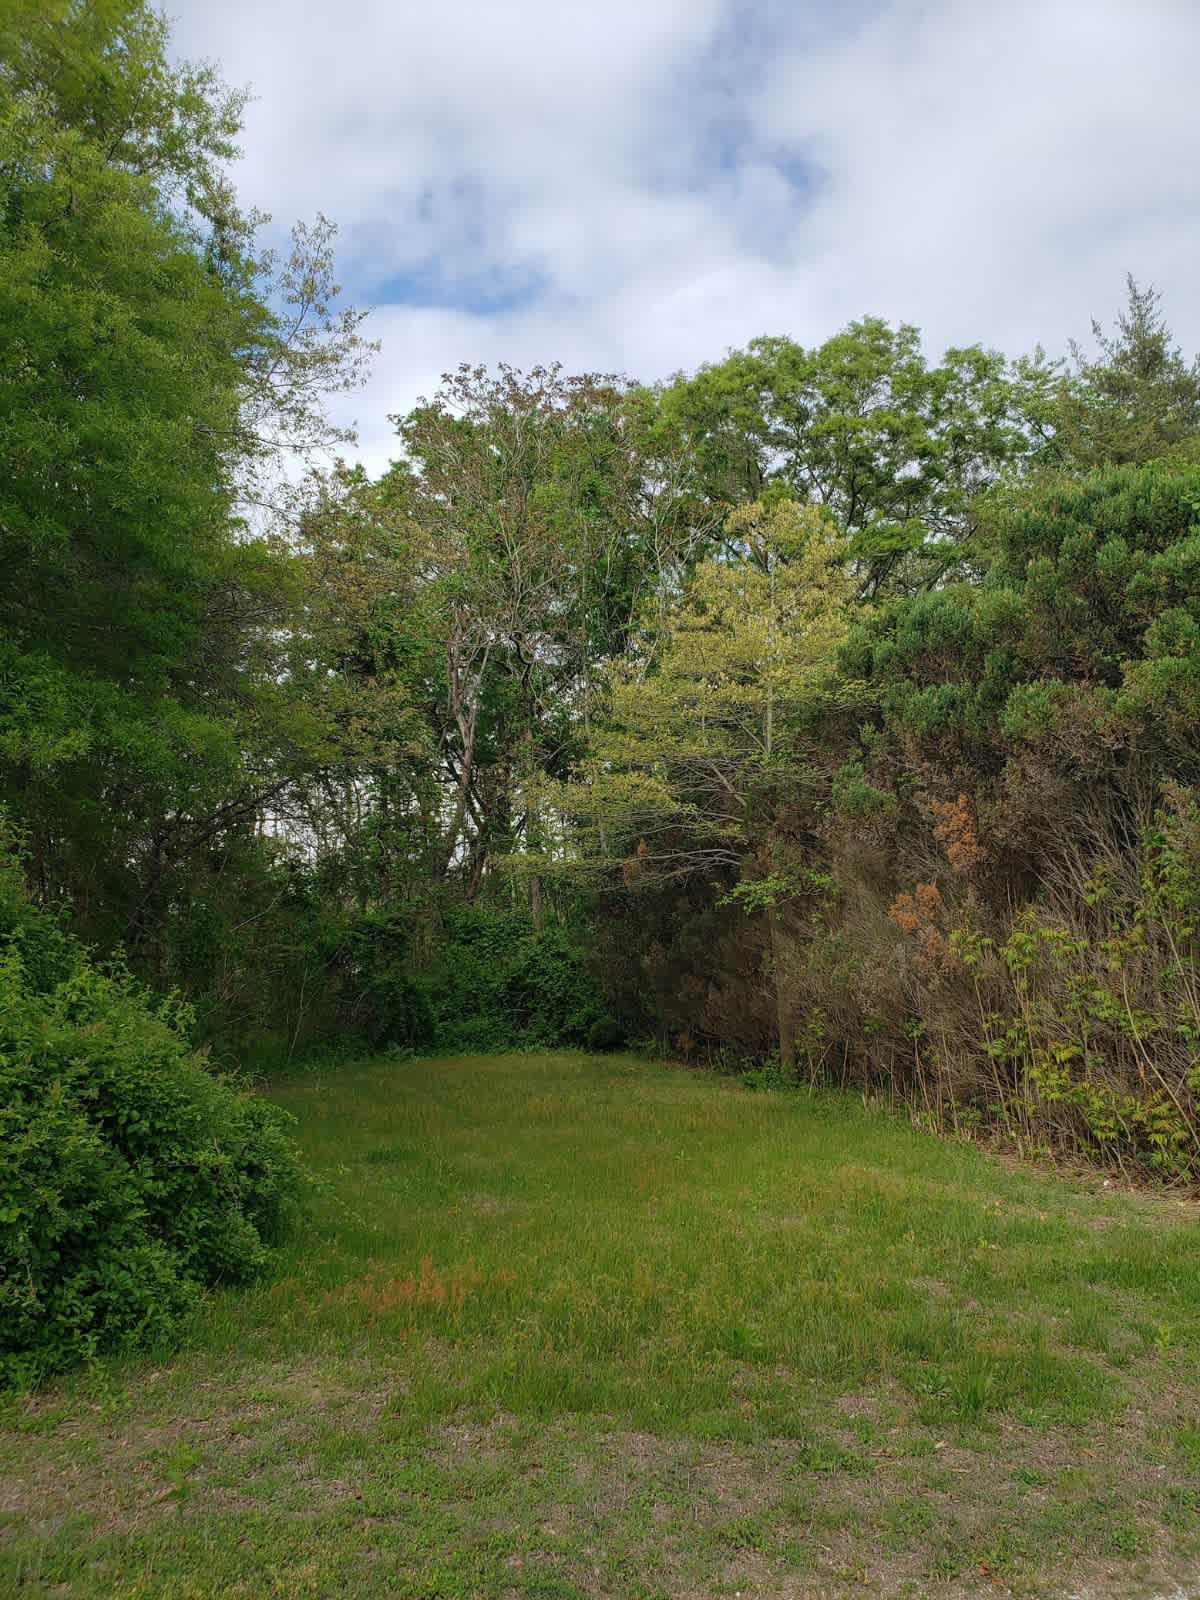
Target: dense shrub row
{"points": [[309, 975]]}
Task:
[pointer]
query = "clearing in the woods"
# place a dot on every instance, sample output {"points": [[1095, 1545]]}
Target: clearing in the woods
{"points": [[561, 1327]]}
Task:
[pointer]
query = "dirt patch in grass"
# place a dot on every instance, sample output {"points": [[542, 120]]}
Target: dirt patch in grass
{"points": [[460, 1444], [870, 1501]]}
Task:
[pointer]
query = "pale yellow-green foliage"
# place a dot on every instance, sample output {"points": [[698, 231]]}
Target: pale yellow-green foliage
{"points": [[703, 715]]}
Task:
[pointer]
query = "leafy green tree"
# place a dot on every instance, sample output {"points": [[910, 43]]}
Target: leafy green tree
{"points": [[528, 519], [896, 450], [150, 378], [1017, 840], [1065, 685], [1081, 576]]}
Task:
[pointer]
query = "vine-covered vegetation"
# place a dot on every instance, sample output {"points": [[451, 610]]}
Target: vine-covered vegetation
{"points": [[829, 707]]}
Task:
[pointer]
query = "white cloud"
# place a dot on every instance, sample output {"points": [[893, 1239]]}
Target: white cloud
{"points": [[996, 168], [638, 186]]}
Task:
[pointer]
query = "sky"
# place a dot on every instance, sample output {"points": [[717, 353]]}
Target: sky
{"points": [[638, 186]]}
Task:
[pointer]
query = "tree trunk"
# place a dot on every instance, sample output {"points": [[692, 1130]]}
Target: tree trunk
{"points": [[784, 1022], [535, 901], [464, 690], [533, 837]]}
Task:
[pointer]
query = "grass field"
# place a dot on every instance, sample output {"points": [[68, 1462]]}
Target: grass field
{"points": [[564, 1327]]}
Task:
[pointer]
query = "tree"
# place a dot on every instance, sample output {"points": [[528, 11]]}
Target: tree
{"points": [[706, 755], [1136, 401], [894, 449], [532, 516], [148, 382]]}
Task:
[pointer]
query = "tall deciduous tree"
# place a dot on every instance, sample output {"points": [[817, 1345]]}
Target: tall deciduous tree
{"points": [[893, 448], [148, 379], [533, 514]]}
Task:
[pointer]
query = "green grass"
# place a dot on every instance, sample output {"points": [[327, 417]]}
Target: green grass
{"points": [[562, 1327]]}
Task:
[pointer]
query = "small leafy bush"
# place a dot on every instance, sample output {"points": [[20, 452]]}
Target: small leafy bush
{"points": [[605, 1033], [770, 1075], [131, 1177]]}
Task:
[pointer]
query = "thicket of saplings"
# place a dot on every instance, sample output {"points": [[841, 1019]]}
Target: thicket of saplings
{"points": [[830, 711]]}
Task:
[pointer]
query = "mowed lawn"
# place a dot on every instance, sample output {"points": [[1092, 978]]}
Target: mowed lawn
{"points": [[562, 1326]]}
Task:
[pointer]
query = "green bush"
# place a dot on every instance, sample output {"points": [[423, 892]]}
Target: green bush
{"points": [[131, 1178], [388, 1006], [499, 983], [605, 1033]]}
